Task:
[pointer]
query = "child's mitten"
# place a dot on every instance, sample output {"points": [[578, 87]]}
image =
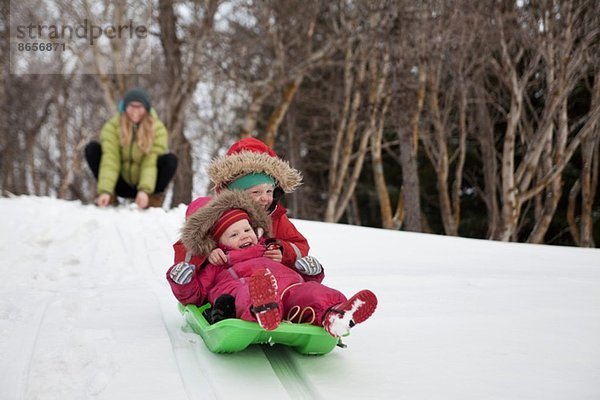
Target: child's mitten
{"points": [[182, 273], [309, 265]]}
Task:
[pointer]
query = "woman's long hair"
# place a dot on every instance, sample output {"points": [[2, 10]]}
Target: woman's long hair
{"points": [[145, 133]]}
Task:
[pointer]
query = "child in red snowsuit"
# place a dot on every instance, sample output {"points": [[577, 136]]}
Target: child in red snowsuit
{"points": [[265, 291]]}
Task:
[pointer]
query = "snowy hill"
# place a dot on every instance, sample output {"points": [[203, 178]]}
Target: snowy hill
{"points": [[85, 313]]}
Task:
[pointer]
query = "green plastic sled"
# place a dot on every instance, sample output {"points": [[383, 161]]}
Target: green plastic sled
{"points": [[233, 335]]}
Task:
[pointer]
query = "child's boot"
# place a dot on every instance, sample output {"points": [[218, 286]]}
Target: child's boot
{"points": [[263, 294], [340, 318], [223, 308]]}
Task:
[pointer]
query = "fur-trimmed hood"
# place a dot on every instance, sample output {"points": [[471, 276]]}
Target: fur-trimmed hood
{"points": [[195, 234], [224, 170]]}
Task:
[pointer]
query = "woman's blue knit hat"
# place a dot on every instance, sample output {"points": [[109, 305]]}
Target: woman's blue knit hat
{"points": [[137, 94]]}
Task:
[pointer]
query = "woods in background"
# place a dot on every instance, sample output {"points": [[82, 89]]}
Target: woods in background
{"points": [[468, 118]]}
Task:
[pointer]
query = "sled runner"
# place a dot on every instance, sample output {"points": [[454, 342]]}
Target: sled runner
{"points": [[233, 335]]}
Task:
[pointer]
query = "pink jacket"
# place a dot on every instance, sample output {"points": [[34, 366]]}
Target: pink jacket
{"points": [[210, 281]]}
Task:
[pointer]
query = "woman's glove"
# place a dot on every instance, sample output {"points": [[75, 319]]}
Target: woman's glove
{"points": [[308, 265], [182, 273]]}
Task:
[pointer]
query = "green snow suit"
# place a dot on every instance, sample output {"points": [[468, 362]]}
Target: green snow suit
{"points": [[136, 168]]}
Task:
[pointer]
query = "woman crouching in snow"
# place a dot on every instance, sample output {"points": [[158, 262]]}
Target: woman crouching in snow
{"points": [[265, 291]]}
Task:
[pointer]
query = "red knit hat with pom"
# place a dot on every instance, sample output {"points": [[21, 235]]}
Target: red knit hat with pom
{"points": [[250, 144]]}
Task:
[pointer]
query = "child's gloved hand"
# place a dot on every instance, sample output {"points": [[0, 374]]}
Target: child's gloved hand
{"points": [[217, 257], [273, 250], [182, 273], [308, 265]]}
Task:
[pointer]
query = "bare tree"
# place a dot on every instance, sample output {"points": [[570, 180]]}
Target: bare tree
{"points": [[446, 68], [272, 57], [378, 104], [524, 56], [339, 192], [408, 44], [183, 57]]}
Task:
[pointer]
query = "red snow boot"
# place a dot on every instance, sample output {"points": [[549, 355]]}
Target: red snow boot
{"points": [[339, 319], [263, 294]]}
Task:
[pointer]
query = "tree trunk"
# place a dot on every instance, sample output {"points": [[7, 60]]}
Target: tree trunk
{"points": [[385, 207], [571, 212], [439, 154], [375, 94], [259, 95], [410, 192], [354, 211], [378, 105], [344, 142], [554, 190], [184, 178], [182, 79], [510, 200], [485, 139], [589, 183], [181, 146], [65, 171], [277, 115], [461, 153], [292, 155]]}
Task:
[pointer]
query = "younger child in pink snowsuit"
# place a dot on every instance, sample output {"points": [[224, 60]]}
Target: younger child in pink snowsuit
{"points": [[265, 291]]}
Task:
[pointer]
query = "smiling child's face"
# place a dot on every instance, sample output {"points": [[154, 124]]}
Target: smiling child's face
{"points": [[239, 235], [262, 194]]}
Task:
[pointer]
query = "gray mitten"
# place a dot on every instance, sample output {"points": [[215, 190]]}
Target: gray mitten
{"points": [[182, 273], [308, 265]]}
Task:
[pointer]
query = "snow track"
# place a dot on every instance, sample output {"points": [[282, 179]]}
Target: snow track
{"points": [[291, 376], [29, 345]]}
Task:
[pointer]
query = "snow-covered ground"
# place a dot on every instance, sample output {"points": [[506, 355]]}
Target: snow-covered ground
{"points": [[86, 313]]}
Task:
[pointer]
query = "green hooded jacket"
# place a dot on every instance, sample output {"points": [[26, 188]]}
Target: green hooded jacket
{"points": [[136, 168]]}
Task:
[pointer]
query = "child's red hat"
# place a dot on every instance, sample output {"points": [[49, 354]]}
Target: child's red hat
{"points": [[250, 144], [228, 218]]}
